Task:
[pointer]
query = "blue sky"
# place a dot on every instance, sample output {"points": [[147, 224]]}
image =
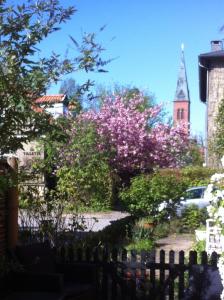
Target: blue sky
{"points": [[145, 36]]}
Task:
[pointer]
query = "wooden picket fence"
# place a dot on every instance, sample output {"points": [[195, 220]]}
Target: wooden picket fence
{"points": [[130, 275]]}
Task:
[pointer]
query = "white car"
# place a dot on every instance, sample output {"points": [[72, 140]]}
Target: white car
{"points": [[194, 195]]}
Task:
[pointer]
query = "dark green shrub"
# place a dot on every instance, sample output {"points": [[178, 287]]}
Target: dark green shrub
{"points": [[196, 176], [162, 230], [86, 178], [193, 217], [147, 192]]}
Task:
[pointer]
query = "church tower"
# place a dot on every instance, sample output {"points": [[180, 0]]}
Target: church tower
{"points": [[181, 104]]}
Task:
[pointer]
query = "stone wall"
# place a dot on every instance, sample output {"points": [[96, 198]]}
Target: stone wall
{"points": [[215, 95]]}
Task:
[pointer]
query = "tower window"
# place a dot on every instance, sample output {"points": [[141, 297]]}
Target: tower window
{"points": [[180, 114]]}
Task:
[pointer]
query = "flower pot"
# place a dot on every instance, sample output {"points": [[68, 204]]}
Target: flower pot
{"points": [[148, 225]]}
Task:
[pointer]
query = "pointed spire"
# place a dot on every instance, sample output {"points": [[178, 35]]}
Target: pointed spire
{"points": [[182, 92]]}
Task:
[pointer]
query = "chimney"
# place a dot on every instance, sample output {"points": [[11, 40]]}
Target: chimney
{"points": [[216, 46]]}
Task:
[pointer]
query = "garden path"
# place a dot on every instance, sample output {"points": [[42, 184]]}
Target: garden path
{"points": [[175, 242]]}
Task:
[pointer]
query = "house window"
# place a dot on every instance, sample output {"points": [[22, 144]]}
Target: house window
{"points": [[180, 114]]}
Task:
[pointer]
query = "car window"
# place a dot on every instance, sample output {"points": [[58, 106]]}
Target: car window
{"points": [[195, 194]]}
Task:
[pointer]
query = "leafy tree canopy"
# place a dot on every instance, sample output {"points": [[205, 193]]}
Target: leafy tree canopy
{"points": [[24, 75], [126, 133], [74, 94]]}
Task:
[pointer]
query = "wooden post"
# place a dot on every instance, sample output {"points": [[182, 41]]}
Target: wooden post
{"points": [[12, 205]]}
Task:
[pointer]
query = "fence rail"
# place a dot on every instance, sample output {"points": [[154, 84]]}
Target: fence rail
{"points": [[151, 275]]}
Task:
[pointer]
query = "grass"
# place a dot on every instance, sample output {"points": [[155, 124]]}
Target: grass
{"points": [[143, 244]]}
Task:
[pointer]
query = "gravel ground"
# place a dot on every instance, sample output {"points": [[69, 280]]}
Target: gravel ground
{"points": [[98, 221], [91, 221], [175, 242]]}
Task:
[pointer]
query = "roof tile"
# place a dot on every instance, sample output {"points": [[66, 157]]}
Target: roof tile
{"points": [[51, 98]]}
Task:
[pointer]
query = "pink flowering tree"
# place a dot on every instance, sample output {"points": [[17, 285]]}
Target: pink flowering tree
{"points": [[135, 145], [107, 147]]}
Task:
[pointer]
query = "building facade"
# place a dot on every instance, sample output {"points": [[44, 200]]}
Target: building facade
{"points": [[181, 104], [55, 105], [211, 89]]}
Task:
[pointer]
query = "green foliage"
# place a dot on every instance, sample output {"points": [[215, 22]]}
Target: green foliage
{"points": [[162, 230], [139, 232], [143, 244], [193, 217], [195, 155], [3, 184], [199, 246], [137, 198], [218, 143], [147, 192], [26, 74], [87, 179], [196, 176], [51, 142], [74, 94]]}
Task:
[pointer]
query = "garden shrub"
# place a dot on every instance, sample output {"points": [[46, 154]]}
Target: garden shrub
{"points": [[85, 175], [196, 176], [193, 217], [162, 230], [147, 192], [139, 232]]}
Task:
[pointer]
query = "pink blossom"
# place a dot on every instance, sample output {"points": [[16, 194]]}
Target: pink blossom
{"points": [[125, 129]]}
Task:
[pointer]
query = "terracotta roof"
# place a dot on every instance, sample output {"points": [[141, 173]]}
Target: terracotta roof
{"points": [[51, 98], [38, 109]]}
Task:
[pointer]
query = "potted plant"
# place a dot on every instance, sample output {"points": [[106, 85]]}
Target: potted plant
{"points": [[148, 222]]}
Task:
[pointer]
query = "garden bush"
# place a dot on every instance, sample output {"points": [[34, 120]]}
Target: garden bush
{"points": [[147, 192], [193, 217], [196, 176], [84, 174]]}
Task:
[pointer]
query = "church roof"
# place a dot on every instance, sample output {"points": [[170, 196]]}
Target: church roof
{"points": [[182, 91]]}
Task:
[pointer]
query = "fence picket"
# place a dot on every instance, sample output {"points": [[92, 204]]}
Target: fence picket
{"points": [[192, 261], [124, 276], [106, 269], [114, 274], [143, 271], [79, 254], [204, 258], [192, 258], [162, 273], [96, 255], [171, 274], [70, 253], [152, 260], [132, 282], [181, 284], [62, 254], [214, 259], [88, 254]]}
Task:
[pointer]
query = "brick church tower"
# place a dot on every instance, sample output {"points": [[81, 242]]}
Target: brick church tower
{"points": [[181, 104]]}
